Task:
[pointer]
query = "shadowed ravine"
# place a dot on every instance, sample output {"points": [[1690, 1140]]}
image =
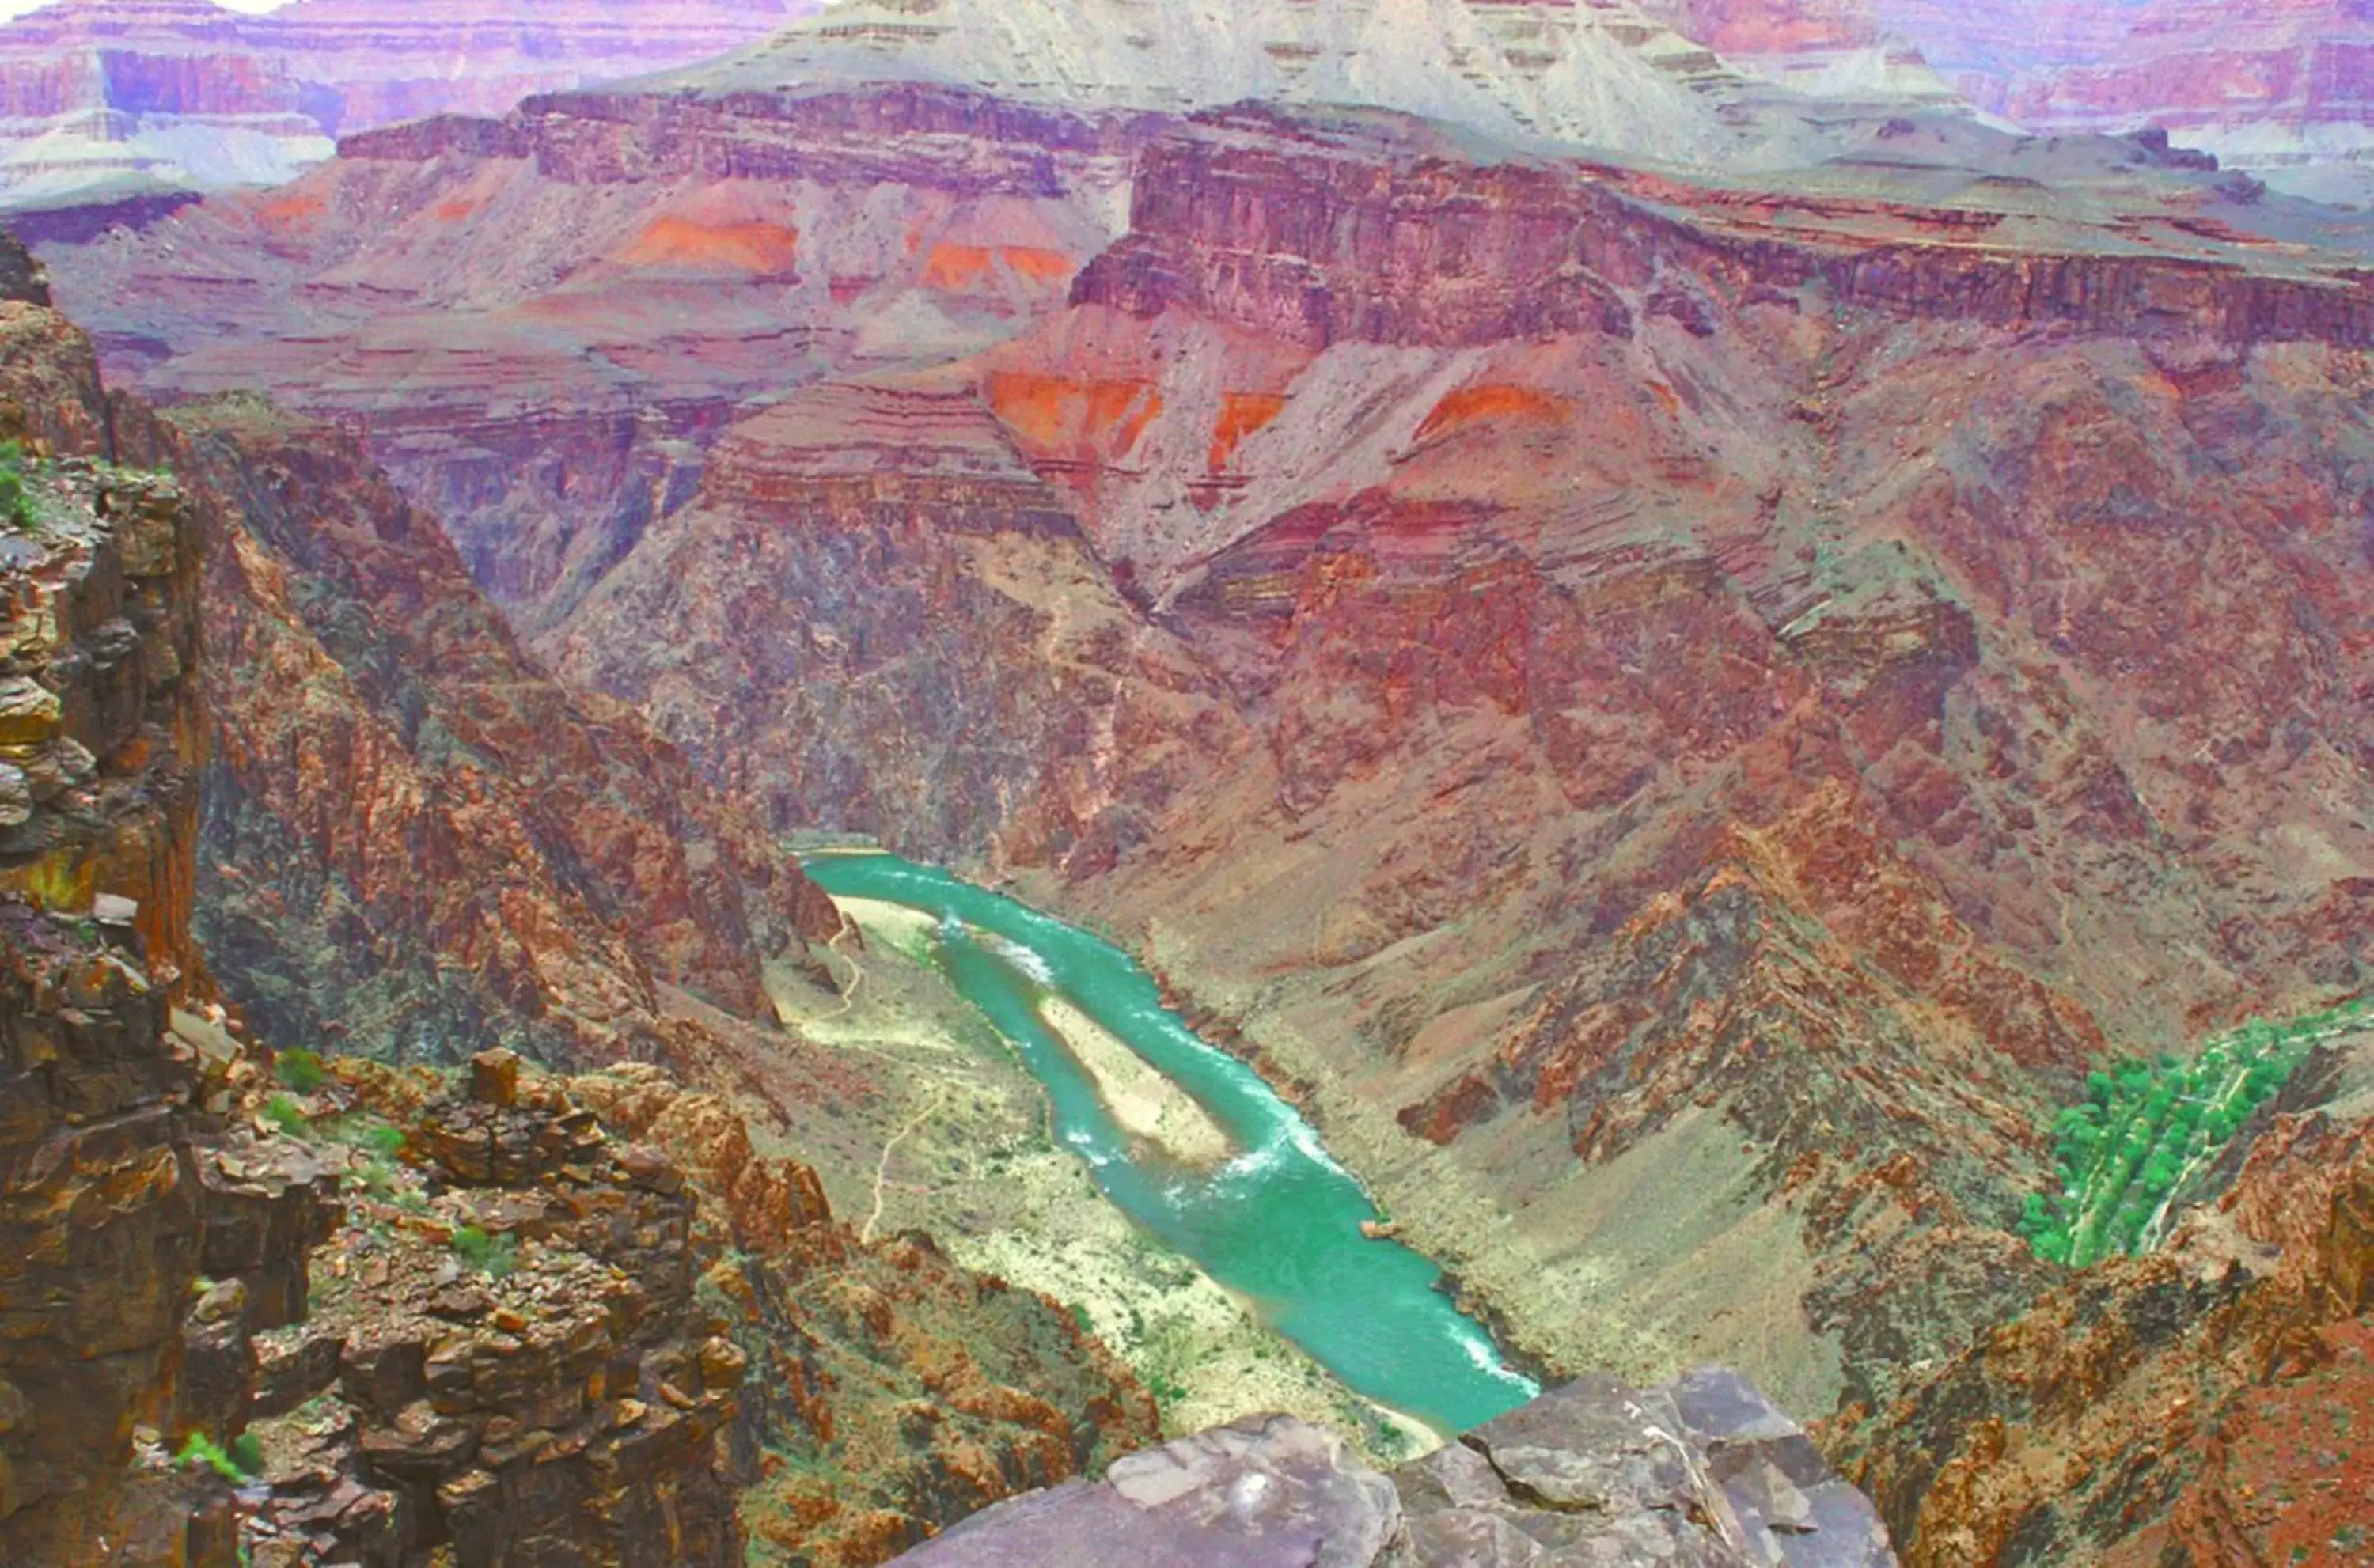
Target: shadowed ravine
{"points": [[1277, 1221]]}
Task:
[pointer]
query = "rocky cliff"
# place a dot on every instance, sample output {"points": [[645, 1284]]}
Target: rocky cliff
{"points": [[1704, 1471], [147, 1234], [414, 845], [108, 102], [2279, 88], [532, 1334], [582, 1318]]}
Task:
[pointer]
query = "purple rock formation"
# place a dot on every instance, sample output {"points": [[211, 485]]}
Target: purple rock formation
{"points": [[1702, 1473]]}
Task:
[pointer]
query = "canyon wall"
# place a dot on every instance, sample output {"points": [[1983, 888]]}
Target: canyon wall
{"points": [[1676, 718], [106, 103], [413, 844], [531, 1331], [1637, 712]]}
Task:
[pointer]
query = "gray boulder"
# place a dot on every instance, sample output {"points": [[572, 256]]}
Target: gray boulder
{"points": [[1703, 1472]]}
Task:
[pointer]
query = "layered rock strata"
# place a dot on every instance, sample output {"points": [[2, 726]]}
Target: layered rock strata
{"points": [[110, 103], [542, 337], [1703, 1472]]}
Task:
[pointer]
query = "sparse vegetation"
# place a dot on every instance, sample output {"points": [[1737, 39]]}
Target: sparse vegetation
{"points": [[300, 1070], [284, 1113], [2146, 1128], [16, 510], [490, 1255]]}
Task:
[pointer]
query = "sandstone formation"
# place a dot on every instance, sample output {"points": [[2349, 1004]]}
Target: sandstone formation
{"points": [[1704, 1471], [530, 1339], [106, 102]]}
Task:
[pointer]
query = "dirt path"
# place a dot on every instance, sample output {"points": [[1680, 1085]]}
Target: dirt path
{"points": [[857, 972], [882, 1166]]}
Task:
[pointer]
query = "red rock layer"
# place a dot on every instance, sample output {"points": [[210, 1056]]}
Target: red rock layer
{"points": [[544, 321]]}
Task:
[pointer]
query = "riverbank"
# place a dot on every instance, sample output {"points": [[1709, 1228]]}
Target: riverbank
{"points": [[975, 1166]]}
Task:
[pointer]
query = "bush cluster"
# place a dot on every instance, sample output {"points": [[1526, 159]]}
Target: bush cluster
{"points": [[2146, 1127]]}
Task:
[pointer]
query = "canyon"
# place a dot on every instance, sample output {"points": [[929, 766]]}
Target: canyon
{"points": [[1674, 697]]}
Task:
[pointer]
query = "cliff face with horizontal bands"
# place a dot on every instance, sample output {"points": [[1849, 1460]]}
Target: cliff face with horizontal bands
{"points": [[103, 103]]}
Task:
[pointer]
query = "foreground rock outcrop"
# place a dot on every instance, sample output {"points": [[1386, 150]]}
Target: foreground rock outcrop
{"points": [[582, 1316], [1702, 1472], [148, 1230], [149, 1234]]}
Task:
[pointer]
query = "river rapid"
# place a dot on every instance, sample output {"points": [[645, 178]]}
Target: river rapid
{"points": [[1273, 1219]]}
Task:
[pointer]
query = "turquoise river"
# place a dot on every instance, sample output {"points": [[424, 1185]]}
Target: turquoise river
{"points": [[1278, 1223]]}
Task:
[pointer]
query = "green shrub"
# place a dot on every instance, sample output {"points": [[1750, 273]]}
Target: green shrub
{"points": [[15, 509], [301, 1071], [247, 1453], [203, 1450], [384, 1139], [492, 1256], [282, 1112]]}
